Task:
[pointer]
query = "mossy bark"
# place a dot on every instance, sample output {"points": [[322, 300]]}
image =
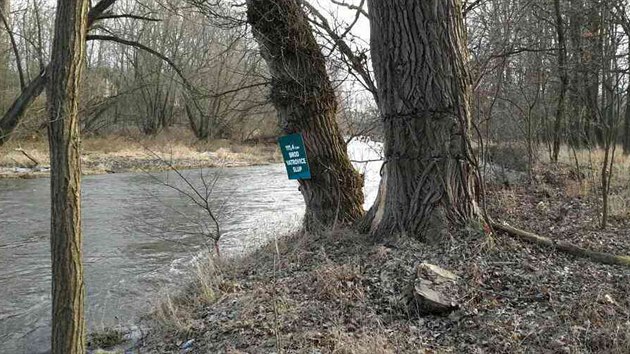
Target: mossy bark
{"points": [[304, 98]]}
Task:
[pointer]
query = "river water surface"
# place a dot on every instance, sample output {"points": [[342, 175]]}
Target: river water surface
{"points": [[140, 238]]}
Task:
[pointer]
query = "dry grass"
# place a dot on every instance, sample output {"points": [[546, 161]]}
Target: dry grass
{"points": [[361, 343], [336, 293], [577, 189], [106, 338], [335, 281], [134, 151], [11, 157], [590, 164], [583, 179], [178, 313], [507, 201]]}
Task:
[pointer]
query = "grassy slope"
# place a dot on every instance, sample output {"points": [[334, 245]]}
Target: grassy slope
{"points": [[340, 293]]}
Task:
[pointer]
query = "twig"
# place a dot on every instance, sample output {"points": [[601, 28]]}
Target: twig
{"points": [[276, 260], [16, 52], [28, 156]]}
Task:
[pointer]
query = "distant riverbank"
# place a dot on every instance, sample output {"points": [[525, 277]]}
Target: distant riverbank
{"points": [[128, 153]]}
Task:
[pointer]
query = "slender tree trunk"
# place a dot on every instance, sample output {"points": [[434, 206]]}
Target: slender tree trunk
{"points": [[5, 52], [578, 116], [564, 80], [419, 53], [5, 49], [304, 98], [593, 69], [626, 124], [68, 291]]}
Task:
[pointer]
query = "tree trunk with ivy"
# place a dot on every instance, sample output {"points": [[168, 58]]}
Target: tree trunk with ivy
{"points": [[68, 290], [430, 181], [304, 98]]}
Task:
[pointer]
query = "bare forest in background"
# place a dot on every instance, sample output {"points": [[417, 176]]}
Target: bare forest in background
{"points": [[486, 114], [545, 73]]}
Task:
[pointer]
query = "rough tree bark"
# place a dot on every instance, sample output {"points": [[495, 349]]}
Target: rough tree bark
{"points": [[68, 291], [564, 80], [304, 98], [584, 29], [430, 181]]}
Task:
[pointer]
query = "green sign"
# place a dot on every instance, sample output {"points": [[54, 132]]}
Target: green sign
{"points": [[294, 154]]}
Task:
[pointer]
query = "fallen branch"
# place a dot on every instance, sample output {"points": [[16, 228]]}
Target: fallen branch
{"points": [[566, 247], [28, 156]]}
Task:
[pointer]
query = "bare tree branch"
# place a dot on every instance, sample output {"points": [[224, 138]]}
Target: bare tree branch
{"points": [[359, 8], [131, 16], [12, 116], [358, 64], [16, 52]]}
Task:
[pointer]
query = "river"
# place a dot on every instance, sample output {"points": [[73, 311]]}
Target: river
{"points": [[141, 239]]}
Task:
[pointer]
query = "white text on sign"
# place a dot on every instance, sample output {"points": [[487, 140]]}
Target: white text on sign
{"points": [[301, 161]]}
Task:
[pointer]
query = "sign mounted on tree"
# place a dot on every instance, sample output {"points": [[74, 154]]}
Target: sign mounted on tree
{"points": [[294, 154]]}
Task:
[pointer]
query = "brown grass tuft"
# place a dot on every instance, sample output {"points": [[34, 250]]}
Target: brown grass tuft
{"points": [[339, 282]]}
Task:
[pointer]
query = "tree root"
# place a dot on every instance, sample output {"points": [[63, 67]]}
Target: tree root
{"points": [[566, 247]]}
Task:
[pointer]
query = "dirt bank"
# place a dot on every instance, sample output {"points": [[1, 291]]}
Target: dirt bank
{"points": [[127, 153]]}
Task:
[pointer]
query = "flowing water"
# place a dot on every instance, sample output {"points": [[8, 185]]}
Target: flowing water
{"points": [[140, 238]]}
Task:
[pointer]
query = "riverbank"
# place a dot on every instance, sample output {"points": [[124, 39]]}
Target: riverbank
{"points": [[135, 153], [341, 293]]}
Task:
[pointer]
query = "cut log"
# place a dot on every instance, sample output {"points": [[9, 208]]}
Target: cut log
{"points": [[426, 294], [566, 247]]}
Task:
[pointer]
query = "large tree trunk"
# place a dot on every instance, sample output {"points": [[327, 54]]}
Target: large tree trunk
{"points": [[564, 80], [304, 98], [68, 291], [419, 53]]}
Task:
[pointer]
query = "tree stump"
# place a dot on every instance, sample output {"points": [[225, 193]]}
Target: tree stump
{"points": [[428, 291]]}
